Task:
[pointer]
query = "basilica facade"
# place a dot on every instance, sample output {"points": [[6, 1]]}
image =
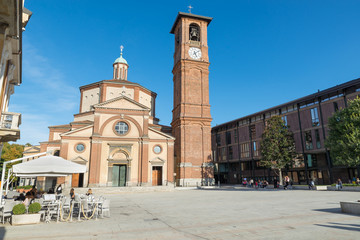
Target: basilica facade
{"points": [[116, 135]]}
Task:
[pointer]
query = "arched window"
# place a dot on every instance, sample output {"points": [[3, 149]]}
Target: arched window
{"points": [[194, 32]]}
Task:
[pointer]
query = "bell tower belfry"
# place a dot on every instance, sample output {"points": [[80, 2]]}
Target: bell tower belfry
{"points": [[191, 123]]}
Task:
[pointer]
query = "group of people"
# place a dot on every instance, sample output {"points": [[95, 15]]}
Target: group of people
{"points": [[72, 193], [29, 196], [256, 184]]}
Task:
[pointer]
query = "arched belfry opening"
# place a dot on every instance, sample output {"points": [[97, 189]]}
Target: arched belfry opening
{"points": [[194, 32]]}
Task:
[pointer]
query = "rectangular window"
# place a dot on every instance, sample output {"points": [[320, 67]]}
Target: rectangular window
{"points": [[311, 160], [252, 132], [218, 139], [317, 138], [245, 150], [255, 149], [308, 140], [235, 136], [223, 154], [314, 117], [228, 137], [336, 106], [284, 118], [230, 152], [245, 166]]}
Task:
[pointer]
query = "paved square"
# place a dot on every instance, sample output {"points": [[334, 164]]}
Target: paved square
{"points": [[210, 214]]}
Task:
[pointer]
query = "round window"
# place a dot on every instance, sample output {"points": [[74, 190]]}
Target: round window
{"points": [[157, 149], [121, 128], [80, 147]]}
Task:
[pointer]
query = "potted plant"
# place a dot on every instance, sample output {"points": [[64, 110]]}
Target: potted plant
{"points": [[20, 217], [24, 189]]}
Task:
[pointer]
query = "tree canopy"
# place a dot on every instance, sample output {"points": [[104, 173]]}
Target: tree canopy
{"points": [[344, 135], [10, 152], [277, 145]]}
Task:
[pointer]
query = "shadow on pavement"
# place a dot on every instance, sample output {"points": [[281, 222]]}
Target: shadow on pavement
{"points": [[330, 210], [349, 227], [235, 189], [2, 233]]}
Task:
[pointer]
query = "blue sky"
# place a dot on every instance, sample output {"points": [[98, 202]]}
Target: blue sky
{"points": [[262, 53]]}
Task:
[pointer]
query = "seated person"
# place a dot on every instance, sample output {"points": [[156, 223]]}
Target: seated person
{"points": [[21, 197], [28, 199], [89, 192], [59, 189], [72, 194]]}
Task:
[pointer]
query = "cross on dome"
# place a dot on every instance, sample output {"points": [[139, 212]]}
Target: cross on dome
{"points": [[190, 7], [120, 66]]}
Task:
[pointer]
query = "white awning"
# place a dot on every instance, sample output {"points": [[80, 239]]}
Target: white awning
{"points": [[48, 166]]}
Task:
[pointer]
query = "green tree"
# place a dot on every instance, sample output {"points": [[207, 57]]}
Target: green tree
{"points": [[10, 152], [277, 145], [344, 135]]}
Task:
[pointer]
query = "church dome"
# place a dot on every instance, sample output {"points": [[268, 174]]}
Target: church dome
{"points": [[121, 60]]}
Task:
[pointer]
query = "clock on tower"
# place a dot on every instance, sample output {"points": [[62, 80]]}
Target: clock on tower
{"points": [[191, 124]]}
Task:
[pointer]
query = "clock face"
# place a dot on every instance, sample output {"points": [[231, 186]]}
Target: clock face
{"points": [[195, 53]]}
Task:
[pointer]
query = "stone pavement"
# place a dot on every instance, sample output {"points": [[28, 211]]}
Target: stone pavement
{"points": [[209, 214]]}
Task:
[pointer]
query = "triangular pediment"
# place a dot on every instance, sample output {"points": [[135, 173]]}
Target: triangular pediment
{"points": [[82, 132], [122, 102], [157, 160], [79, 160], [32, 149]]}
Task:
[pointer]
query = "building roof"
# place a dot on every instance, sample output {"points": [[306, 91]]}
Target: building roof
{"points": [[329, 92], [189, 15], [120, 82], [121, 60]]}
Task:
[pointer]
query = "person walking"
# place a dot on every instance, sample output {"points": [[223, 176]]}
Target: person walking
{"points": [[311, 184], [287, 180]]}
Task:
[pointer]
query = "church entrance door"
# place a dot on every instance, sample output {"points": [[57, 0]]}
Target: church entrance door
{"points": [[157, 176], [77, 180], [119, 176]]}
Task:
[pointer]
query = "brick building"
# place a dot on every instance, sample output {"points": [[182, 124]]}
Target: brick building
{"points": [[116, 135], [236, 144]]}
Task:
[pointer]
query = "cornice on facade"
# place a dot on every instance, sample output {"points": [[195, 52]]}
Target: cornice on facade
{"points": [[347, 87], [115, 82]]}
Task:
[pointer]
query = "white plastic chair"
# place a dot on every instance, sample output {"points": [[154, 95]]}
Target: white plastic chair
{"points": [[105, 207], [6, 210], [86, 208]]}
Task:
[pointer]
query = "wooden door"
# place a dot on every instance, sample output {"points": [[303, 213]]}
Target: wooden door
{"points": [[157, 176], [75, 180], [154, 177]]}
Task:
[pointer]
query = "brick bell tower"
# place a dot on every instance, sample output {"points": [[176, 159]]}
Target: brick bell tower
{"points": [[191, 124]]}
